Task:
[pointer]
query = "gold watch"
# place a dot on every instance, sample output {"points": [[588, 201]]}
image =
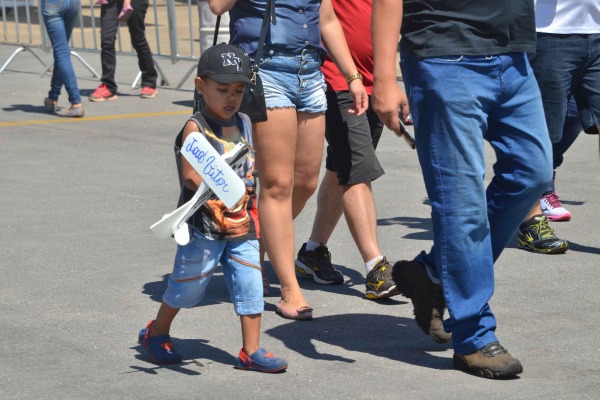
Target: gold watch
{"points": [[352, 77]]}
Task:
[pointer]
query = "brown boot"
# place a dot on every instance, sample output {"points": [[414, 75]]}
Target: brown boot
{"points": [[436, 327], [427, 298], [492, 362]]}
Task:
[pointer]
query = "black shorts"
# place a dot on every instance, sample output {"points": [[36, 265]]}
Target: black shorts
{"points": [[351, 140]]}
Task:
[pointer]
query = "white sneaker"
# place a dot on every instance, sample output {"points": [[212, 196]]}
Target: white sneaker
{"points": [[552, 208]]}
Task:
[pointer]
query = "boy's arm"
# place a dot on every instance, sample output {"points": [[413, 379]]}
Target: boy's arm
{"points": [[191, 178]]}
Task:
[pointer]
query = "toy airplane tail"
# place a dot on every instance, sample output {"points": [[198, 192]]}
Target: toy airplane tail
{"points": [[170, 223]]}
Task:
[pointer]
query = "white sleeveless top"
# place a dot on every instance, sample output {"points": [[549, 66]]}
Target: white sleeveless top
{"points": [[567, 16]]}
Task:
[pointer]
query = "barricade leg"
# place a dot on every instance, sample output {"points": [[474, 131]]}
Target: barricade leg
{"points": [[17, 51], [187, 75], [163, 79], [85, 64]]}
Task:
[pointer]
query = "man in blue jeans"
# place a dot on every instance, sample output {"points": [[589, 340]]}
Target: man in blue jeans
{"points": [[467, 78]]}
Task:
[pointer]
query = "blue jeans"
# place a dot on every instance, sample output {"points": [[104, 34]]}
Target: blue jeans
{"points": [[456, 102], [195, 264], [565, 66], [571, 130], [59, 17]]}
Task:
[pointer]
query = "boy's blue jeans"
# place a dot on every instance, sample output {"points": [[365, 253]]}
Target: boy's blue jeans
{"points": [[457, 102], [195, 265], [60, 17]]}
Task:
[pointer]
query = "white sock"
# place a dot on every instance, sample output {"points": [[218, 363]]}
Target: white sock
{"points": [[311, 245], [371, 263]]}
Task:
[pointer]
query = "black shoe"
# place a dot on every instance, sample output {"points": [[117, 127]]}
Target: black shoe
{"points": [[317, 264], [380, 284], [537, 235], [492, 362], [427, 298]]}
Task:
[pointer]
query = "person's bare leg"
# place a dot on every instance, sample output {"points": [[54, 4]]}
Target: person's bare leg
{"points": [[309, 153], [275, 144], [329, 208], [250, 332], [361, 216], [536, 210], [164, 318], [356, 203]]}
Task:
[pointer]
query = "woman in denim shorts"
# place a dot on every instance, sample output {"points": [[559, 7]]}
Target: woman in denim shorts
{"points": [[289, 145]]}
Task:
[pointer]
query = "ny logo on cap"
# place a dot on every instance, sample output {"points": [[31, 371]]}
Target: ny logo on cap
{"points": [[230, 59]]}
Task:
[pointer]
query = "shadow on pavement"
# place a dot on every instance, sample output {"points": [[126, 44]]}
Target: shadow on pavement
{"points": [[386, 336]]}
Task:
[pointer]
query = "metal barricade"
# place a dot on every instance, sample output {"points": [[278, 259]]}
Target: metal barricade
{"points": [[177, 30]]}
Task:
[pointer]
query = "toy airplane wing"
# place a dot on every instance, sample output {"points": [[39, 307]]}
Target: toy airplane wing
{"points": [[218, 172], [213, 169]]}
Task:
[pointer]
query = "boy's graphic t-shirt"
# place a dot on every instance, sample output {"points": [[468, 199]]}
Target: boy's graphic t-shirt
{"points": [[214, 221]]}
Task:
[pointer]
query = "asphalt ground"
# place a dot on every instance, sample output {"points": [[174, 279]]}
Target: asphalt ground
{"points": [[82, 273]]}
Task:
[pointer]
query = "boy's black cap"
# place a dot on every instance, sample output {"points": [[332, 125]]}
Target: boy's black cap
{"points": [[225, 63]]}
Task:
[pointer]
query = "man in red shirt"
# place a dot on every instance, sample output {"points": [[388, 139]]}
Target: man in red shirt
{"points": [[351, 165]]}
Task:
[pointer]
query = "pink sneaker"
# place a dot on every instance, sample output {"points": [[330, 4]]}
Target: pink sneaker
{"points": [[125, 13], [102, 94], [148, 92], [553, 209]]}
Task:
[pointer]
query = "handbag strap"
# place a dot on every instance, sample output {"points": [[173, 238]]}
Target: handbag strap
{"points": [[269, 14]]}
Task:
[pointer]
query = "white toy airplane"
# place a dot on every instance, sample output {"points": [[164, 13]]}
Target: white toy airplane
{"points": [[218, 177]]}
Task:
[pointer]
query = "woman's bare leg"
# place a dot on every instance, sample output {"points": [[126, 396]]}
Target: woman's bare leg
{"points": [[275, 143], [309, 153]]}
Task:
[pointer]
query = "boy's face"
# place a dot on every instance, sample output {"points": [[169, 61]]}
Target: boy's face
{"points": [[222, 99]]}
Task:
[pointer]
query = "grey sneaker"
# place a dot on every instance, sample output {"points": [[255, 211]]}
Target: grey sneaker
{"points": [[317, 264], [50, 105], [380, 284], [492, 362], [427, 298], [73, 112]]}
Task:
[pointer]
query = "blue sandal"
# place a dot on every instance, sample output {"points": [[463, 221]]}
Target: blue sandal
{"points": [[261, 361], [159, 348]]}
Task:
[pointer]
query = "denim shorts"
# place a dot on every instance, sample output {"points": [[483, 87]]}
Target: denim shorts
{"points": [[293, 80], [195, 264]]}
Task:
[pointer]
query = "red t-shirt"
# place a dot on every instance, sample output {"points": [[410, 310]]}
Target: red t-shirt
{"points": [[355, 18]]}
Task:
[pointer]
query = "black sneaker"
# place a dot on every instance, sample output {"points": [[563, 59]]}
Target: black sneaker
{"points": [[380, 284], [317, 264], [492, 361], [427, 298], [537, 235]]}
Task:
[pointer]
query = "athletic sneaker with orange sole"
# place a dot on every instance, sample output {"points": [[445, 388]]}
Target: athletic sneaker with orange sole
{"points": [[102, 94]]}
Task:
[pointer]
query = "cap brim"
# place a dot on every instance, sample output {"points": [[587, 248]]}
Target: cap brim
{"points": [[230, 78]]}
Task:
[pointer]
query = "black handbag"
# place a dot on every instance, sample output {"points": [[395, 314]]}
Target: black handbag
{"points": [[253, 102]]}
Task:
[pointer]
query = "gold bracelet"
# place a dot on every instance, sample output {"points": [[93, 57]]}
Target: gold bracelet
{"points": [[352, 77]]}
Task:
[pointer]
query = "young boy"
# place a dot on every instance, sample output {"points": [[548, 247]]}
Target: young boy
{"points": [[218, 234]]}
